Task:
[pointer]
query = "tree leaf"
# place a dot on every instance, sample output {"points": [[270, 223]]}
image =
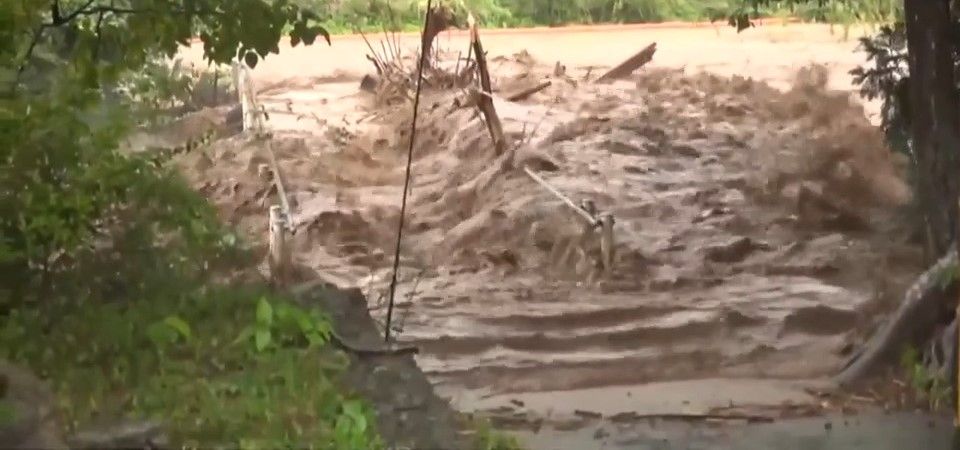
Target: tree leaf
{"points": [[244, 335], [264, 312], [353, 409], [179, 325], [309, 36], [262, 339], [322, 32], [283, 312], [161, 334]]}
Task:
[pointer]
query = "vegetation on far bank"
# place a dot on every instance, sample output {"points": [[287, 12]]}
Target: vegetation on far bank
{"points": [[406, 15]]}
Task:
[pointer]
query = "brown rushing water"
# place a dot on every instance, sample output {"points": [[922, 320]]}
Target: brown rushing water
{"points": [[718, 274]]}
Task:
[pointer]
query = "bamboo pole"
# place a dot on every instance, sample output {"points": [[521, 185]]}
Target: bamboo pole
{"points": [[566, 200], [586, 211], [253, 119]]}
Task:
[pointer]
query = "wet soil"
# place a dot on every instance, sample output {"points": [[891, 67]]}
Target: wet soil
{"points": [[409, 414]]}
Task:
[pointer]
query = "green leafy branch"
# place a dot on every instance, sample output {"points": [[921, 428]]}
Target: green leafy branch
{"points": [[283, 324], [933, 387]]}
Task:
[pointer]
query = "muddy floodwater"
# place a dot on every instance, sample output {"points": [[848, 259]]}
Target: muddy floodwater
{"points": [[757, 217]]}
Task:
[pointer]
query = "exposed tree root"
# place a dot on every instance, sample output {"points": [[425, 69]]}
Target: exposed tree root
{"points": [[922, 308]]}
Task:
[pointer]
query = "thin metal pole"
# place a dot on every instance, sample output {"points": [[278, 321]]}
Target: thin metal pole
{"points": [[406, 181]]}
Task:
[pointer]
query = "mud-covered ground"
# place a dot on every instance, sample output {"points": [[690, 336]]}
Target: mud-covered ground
{"points": [[757, 216]]}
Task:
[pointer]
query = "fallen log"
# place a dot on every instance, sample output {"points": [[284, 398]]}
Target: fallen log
{"points": [[921, 309], [526, 93], [627, 67]]}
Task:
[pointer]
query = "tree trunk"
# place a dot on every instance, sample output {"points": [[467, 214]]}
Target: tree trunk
{"points": [[935, 124]]}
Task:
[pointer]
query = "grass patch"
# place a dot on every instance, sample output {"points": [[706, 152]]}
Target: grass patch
{"points": [[8, 414], [220, 367], [489, 438]]}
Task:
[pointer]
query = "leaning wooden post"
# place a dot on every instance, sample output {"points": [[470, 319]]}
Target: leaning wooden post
{"points": [[483, 98], [606, 241]]}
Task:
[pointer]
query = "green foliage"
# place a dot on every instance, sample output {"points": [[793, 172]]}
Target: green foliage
{"points": [[174, 360], [284, 324], [948, 276], [554, 12], [375, 15], [930, 386], [70, 201], [162, 87], [8, 414], [100, 37], [105, 258], [351, 429], [70, 204], [885, 77], [168, 331], [844, 12], [488, 438]]}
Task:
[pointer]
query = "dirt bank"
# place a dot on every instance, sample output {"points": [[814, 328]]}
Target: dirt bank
{"points": [[409, 414]]}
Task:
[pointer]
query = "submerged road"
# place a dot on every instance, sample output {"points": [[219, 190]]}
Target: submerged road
{"points": [[902, 431]]}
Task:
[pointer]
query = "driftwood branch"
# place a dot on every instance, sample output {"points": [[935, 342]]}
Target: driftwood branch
{"points": [[919, 312], [526, 93], [373, 57], [630, 417], [627, 67]]}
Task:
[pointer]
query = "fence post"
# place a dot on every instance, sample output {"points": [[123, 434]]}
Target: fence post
{"points": [[278, 258], [606, 241]]}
